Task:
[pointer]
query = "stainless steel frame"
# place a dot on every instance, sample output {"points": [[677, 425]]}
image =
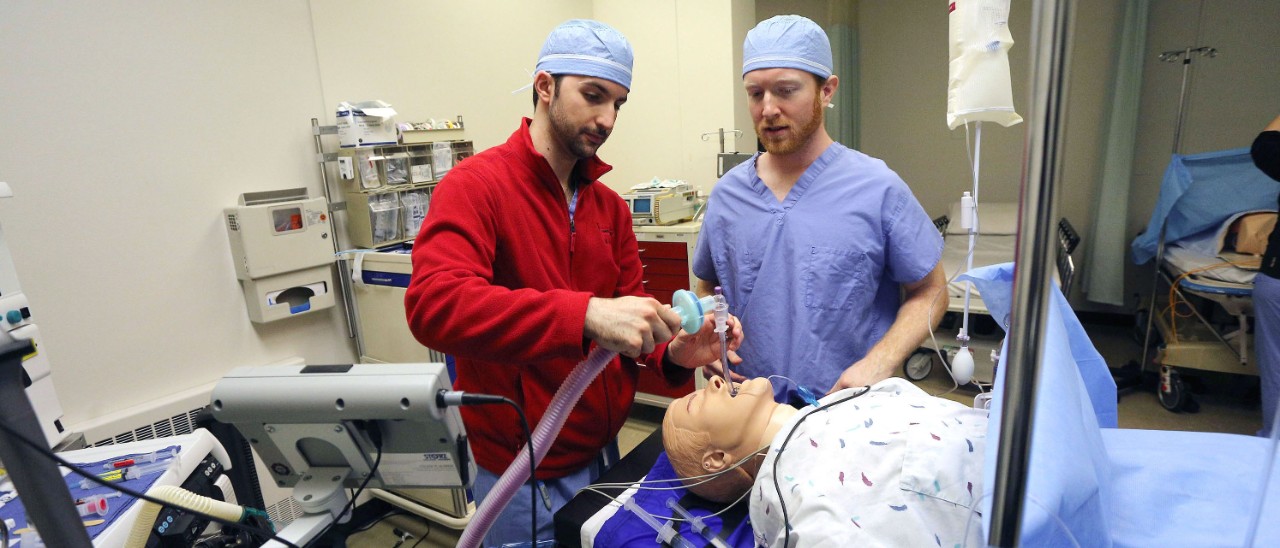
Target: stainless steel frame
{"points": [[1042, 161]]}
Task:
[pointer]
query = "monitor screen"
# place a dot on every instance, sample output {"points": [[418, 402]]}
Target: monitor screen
{"points": [[642, 205]]}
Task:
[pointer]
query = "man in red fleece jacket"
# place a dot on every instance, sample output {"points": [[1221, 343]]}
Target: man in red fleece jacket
{"points": [[525, 260]]}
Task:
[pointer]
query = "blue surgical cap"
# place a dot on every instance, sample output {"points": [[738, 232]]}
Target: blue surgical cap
{"points": [[587, 48], [787, 41]]}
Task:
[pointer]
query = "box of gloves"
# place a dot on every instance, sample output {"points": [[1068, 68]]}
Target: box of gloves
{"points": [[366, 123]]}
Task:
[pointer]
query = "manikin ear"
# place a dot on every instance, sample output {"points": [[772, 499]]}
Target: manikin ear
{"points": [[714, 461]]}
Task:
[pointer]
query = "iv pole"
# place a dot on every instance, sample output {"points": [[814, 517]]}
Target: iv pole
{"points": [[1042, 167], [1173, 56]]}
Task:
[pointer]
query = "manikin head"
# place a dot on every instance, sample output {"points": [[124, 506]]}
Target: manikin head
{"points": [[581, 80], [709, 430], [786, 71]]}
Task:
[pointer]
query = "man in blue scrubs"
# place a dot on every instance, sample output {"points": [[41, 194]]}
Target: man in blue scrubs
{"points": [[814, 243]]}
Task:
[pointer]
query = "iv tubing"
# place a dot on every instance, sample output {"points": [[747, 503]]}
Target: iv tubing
{"points": [[666, 533], [696, 523], [543, 435], [973, 232]]}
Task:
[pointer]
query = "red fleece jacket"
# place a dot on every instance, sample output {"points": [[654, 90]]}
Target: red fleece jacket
{"points": [[501, 280]]}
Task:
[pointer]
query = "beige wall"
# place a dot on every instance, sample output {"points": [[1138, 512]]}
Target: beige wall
{"points": [[685, 85], [449, 58], [141, 122], [437, 59]]}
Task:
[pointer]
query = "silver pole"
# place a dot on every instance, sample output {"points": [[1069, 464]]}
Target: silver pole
{"points": [[1182, 100], [1183, 55], [344, 275], [1051, 20]]}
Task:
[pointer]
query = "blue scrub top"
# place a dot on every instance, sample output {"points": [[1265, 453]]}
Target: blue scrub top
{"points": [[814, 278]]}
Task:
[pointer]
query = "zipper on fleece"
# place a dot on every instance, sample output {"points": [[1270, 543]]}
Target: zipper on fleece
{"points": [[573, 231]]}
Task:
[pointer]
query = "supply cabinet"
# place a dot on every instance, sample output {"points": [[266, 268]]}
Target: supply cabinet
{"points": [[666, 253], [381, 279], [388, 188]]}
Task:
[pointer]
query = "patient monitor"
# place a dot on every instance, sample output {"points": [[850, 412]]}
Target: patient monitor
{"points": [[320, 428]]}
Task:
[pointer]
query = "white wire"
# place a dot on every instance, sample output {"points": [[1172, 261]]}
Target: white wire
{"points": [[595, 487], [973, 511]]}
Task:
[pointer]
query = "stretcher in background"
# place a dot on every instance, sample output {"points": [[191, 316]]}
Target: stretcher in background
{"points": [[995, 244], [1202, 288]]}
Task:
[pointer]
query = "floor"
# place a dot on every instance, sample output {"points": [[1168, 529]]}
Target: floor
{"points": [[1227, 403]]}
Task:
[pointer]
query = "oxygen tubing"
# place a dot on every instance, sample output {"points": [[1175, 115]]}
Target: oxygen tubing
{"points": [[543, 435], [178, 497]]}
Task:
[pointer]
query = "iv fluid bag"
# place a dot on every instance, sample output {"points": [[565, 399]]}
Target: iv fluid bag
{"points": [[978, 89]]}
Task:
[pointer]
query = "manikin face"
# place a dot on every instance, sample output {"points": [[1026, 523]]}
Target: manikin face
{"points": [[733, 422], [582, 113], [786, 107]]}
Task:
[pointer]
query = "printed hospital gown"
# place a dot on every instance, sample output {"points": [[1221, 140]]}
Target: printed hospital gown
{"points": [[894, 467]]}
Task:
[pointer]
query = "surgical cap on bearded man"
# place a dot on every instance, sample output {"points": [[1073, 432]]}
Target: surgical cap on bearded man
{"points": [[587, 48], [787, 41]]}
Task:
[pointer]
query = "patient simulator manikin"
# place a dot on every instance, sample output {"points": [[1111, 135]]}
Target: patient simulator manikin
{"points": [[890, 464]]}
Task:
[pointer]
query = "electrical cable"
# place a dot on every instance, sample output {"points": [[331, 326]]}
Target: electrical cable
{"points": [[1174, 301], [375, 435], [446, 398], [681, 484], [44, 451], [678, 519], [786, 519], [377, 520], [424, 535]]}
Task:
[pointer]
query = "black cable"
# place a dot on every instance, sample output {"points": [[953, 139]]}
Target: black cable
{"points": [[424, 535], [44, 451], [375, 435], [786, 520], [533, 477], [533, 473], [446, 398], [377, 520]]}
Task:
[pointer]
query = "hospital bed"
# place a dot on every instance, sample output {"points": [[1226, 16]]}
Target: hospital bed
{"points": [[1199, 311], [995, 244], [1090, 483]]}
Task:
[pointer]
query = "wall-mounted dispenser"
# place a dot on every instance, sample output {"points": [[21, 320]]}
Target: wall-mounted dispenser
{"points": [[281, 242]]}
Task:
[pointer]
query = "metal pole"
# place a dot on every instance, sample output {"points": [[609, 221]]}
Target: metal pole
{"points": [[1182, 100], [1051, 20], [344, 275], [1171, 57]]}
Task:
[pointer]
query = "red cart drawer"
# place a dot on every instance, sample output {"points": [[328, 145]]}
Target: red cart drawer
{"points": [[663, 250]]}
